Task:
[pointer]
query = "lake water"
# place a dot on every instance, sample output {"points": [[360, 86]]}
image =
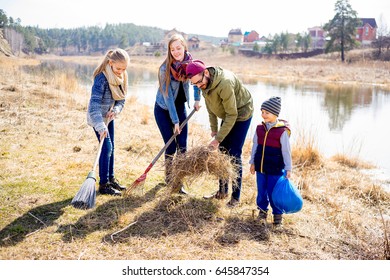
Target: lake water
{"points": [[351, 121], [340, 119]]}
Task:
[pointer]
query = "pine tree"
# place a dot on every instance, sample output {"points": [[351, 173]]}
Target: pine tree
{"points": [[342, 28]]}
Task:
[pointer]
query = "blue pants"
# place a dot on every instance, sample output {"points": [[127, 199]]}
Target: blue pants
{"points": [[106, 160], [265, 187], [232, 144], [166, 126]]}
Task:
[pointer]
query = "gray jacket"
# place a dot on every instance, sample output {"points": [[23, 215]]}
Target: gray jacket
{"points": [[101, 102]]}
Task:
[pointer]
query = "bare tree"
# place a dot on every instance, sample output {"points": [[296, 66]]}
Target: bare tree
{"points": [[382, 39]]}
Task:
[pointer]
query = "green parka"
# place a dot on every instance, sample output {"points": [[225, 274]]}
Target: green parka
{"points": [[228, 99]]}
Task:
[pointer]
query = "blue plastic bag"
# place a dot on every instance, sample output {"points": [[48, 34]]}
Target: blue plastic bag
{"points": [[286, 196]]}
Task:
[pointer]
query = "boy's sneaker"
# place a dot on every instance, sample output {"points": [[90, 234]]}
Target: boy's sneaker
{"points": [[262, 217], [278, 220], [115, 184], [108, 189]]}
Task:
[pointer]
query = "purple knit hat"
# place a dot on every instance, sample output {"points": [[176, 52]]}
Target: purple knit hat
{"points": [[194, 68]]}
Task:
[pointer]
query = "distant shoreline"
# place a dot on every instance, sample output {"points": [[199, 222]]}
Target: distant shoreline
{"points": [[326, 69]]}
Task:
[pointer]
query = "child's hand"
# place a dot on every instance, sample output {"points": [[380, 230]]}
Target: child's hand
{"points": [[252, 169], [101, 128], [110, 116], [103, 133], [288, 174]]}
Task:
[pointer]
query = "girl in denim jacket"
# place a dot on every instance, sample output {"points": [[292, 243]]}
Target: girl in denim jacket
{"points": [[172, 95], [107, 100]]}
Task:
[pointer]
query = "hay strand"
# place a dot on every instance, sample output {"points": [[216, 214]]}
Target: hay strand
{"points": [[202, 161]]}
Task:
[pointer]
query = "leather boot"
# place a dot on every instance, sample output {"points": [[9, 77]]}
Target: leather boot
{"points": [[168, 170]]}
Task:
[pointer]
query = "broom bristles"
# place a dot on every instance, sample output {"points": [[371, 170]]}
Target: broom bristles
{"points": [[85, 197]]}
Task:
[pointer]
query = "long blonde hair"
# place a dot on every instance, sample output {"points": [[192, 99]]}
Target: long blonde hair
{"points": [[169, 60], [115, 55]]}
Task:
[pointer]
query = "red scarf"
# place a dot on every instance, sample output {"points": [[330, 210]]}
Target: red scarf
{"points": [[178, 68]]}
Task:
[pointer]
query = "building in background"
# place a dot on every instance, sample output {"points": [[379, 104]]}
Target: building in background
{"points": [[366, 33], [317, 35], [252, 36], [235, 37], [193, 43]]}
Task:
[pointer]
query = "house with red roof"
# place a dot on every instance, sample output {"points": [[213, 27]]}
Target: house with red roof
{"points": [[366, 33]]}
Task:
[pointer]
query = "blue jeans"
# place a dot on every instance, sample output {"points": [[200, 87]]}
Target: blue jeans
{"points": [[166, 126], [232, 144], [106, 160], [265, 187]]}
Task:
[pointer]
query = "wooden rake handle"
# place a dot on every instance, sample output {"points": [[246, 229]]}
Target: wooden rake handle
{"points": [[99, 151], [142, 178], [170, 140]]}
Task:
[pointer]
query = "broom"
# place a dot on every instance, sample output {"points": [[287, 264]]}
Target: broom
{"points": [[85, 197], [142, 178]]}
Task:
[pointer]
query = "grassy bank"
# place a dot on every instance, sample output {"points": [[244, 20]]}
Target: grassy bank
{"points": [[47, 149]]}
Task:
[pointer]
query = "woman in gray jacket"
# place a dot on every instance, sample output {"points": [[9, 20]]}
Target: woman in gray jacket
{"points": [[107, 100]]}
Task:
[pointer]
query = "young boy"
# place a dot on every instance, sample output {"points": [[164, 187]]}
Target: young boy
{"points": [[271, 157]]}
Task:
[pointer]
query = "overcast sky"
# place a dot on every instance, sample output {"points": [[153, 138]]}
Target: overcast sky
{"points": [[203, 17]]}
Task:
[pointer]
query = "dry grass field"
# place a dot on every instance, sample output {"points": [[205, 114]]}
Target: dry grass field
{"points": [[47, 149]]}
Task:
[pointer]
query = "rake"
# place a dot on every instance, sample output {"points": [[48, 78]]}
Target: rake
{"points": [[141, 180]]}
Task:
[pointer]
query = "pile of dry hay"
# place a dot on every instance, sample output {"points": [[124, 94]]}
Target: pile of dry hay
{"points": [[202, 161]]}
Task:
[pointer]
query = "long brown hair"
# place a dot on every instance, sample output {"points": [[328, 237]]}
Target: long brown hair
{"points": [[168, 62], [116, 55]]}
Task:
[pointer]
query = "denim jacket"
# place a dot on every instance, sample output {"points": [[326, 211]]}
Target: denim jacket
{"points": [[101, 102], [168, 102]]}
